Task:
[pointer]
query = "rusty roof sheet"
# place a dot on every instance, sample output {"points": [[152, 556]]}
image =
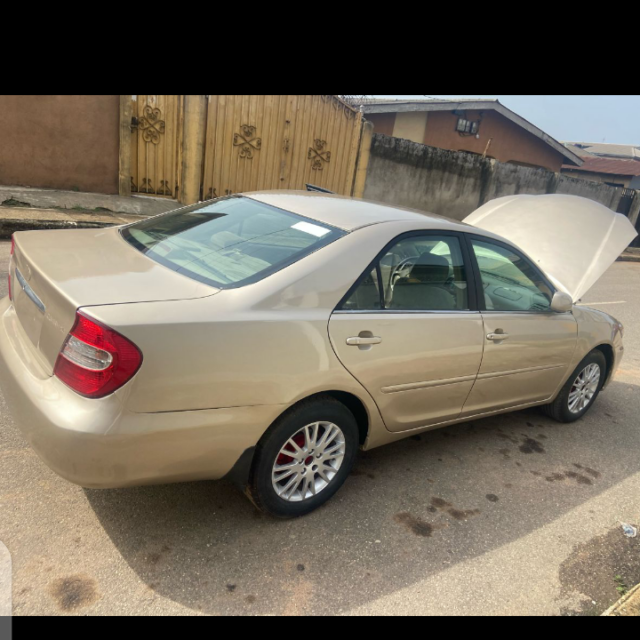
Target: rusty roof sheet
{"points": [[610, 166]]}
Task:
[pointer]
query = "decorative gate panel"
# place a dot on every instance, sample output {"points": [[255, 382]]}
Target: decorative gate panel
{"points": [[279, 142], [156, 143]]}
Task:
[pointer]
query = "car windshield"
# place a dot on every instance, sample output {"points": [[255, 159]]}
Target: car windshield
{"points": [[229, 242]]}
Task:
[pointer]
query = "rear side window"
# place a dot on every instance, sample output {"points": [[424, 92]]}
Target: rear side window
{"points": [[230, 242]]}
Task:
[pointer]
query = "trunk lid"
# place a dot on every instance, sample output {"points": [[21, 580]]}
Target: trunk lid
{"points": [[573, 240], [53, 273]]}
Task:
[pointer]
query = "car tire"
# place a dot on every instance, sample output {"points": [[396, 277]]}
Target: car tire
{"points": [[319, 474], [560, 408]]}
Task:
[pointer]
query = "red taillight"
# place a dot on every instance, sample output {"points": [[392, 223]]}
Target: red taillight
{"points": [[96, 360]]}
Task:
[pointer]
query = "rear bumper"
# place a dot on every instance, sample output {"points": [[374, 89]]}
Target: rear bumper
{"points": [[98, 444]]}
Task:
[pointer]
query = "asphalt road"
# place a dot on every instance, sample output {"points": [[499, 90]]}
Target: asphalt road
{"points": [[508, 515]]}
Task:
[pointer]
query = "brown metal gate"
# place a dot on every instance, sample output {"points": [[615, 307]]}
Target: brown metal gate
{"points": [[156, 144], [258, 142]]}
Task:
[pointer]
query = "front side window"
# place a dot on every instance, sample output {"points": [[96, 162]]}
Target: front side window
{"points": [[230, 242], [510, 282], [418, 273]]}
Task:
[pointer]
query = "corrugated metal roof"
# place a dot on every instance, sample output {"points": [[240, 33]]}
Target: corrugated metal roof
{"points": [[397, 101], [610, 166], [606, 149]]}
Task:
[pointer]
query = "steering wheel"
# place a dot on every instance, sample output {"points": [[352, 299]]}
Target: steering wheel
{"points": [[402, 270]]}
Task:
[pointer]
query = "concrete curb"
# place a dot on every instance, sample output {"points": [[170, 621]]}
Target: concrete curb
{"points": [[9, 226], [67, 200], [628, 605], [629, 257]]}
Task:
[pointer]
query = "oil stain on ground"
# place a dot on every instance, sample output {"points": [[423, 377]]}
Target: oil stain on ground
{"points": [[592, 568], [154, 557], [529, 445], [574, 475], [415, 525], [592, 472], [74, 592], [456, 514]]}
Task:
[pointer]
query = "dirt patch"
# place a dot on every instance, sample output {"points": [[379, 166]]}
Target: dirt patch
{"points": [[74, 592], [599, 569]]}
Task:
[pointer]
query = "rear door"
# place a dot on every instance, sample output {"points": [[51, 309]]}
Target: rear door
{"points": [[410, 332], [527, 347]]}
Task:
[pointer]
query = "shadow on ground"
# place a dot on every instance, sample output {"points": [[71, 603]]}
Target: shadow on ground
{"points": [[409, 511]]}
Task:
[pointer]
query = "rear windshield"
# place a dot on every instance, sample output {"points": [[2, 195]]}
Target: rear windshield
{"points": [[230, 242]]}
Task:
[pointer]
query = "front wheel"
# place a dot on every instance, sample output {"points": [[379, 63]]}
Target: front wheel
{"points": [[581, 389], [304, 458]]}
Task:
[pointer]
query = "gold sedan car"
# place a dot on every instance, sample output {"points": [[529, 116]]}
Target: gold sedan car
{"points": [[267, 337]]}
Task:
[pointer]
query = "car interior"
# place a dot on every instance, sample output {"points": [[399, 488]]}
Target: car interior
{"points": [[421, 273], [510, 283], [426, 273]]}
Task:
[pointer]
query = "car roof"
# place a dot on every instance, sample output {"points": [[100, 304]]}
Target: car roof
{"points": [[349, 214]]}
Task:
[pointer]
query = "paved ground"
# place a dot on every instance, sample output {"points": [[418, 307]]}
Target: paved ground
{"points": [[473, 519]]}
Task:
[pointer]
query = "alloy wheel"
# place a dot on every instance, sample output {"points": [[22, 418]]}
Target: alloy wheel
{"points": [[308, 461], [584, 388]]}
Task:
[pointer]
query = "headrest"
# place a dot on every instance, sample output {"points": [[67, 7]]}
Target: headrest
{"points": [[430, 268]]}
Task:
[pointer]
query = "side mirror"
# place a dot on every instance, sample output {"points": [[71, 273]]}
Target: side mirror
{"points": [[561, 302]]}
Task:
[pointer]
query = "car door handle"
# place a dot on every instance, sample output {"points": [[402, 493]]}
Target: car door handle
{"points": [[358, 341], [497, 337]]}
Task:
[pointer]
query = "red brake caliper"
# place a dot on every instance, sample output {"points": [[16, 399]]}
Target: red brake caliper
{"points": [[283, 458]]}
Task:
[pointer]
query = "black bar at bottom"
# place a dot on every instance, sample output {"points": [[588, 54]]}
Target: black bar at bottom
{"points": [[5, 628]]}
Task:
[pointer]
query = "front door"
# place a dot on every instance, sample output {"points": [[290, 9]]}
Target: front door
{"points": [[527, 347], [407, 332]]}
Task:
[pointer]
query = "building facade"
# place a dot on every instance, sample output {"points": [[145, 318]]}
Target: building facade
{"points": [[483, 127]]}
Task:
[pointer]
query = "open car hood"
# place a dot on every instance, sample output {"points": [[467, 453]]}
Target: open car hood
{"points": [[573, 240]]}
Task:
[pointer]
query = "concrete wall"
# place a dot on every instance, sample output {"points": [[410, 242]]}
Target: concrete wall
{"points": [[625, 181], [454, 184], [60, 142]]}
